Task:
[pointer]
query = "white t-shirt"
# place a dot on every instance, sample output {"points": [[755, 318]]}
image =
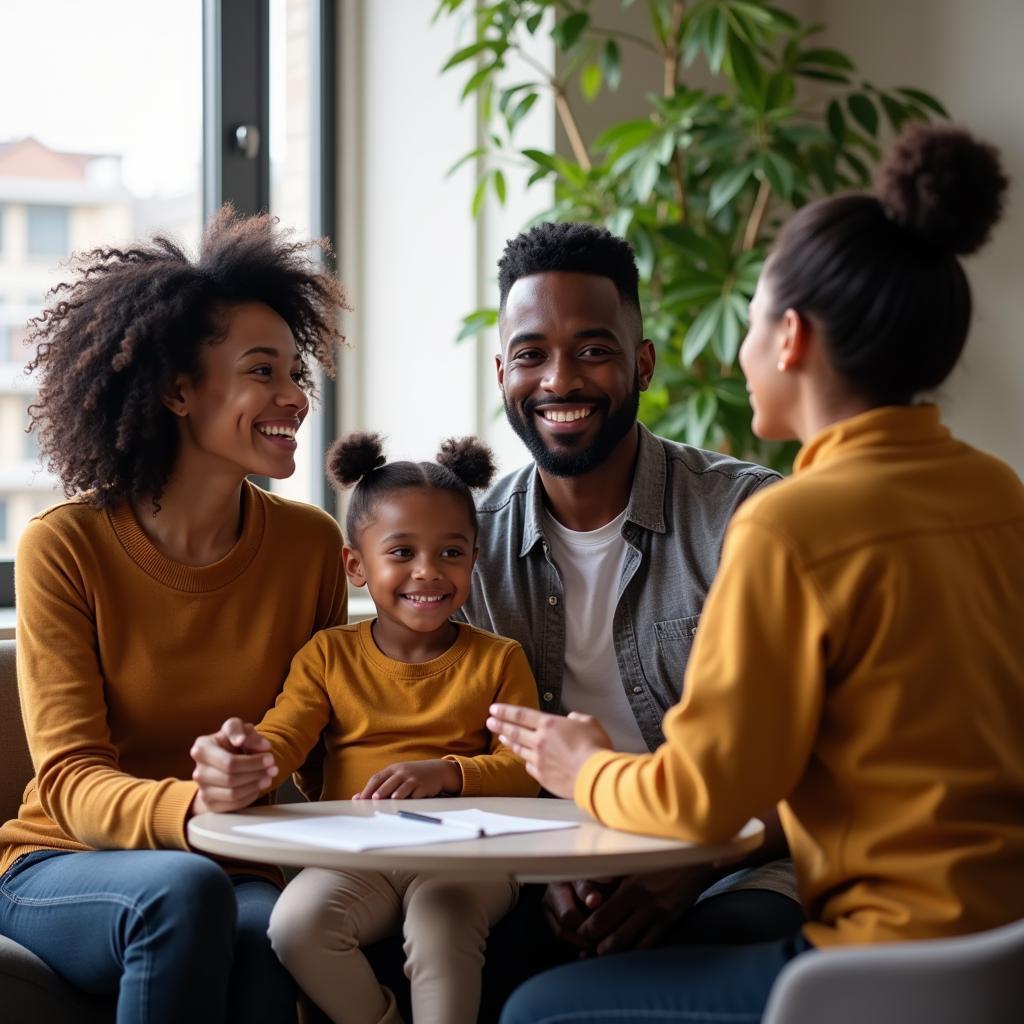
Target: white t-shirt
{"points": [[590, 565]]}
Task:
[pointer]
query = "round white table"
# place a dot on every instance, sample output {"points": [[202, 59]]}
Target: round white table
{"points": [[589, 851]]}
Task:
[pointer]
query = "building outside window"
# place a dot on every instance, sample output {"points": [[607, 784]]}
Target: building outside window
{"points": [[48, 231]]}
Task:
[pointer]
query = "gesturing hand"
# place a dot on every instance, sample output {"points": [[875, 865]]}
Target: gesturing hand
{"points": [[409, 780], [554, 748], [231, 768]]}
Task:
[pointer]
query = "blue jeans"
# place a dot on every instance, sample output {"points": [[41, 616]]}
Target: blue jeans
{"points": [[171, 933], [681, 985]]}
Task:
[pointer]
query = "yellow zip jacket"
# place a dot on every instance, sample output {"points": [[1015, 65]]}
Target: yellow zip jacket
{"points": [[861, 660]]}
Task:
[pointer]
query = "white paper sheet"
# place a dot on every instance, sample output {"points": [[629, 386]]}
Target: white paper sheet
{"points": [[358, 832]]}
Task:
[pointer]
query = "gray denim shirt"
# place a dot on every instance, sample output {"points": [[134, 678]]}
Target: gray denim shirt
{"points": [[680, 504]]}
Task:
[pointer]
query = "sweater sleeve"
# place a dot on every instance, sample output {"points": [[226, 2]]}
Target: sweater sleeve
{"points": [[500, 772], [60, 683], [301, 711], [752, 699]]}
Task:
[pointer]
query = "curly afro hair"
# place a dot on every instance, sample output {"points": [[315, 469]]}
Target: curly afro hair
{"points": [[117, 335], [576, 248], [463, 465], [879, 272]]}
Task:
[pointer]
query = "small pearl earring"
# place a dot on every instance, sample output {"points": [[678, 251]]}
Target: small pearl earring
{"points": [[781, 367]]}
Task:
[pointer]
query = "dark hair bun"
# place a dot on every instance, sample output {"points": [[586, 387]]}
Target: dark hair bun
{"points": [[351, 457], [942, 183], [469, 459]]}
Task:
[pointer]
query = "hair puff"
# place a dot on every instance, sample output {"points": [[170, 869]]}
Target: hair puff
{"points": [[942, 183], [469, 459], [354, 456]]}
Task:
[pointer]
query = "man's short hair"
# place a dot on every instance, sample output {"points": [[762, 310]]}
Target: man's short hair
{"points": [[577, 248]]}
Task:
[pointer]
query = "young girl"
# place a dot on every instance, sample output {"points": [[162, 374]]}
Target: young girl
{"points": [[861, 656], [404, 701]]}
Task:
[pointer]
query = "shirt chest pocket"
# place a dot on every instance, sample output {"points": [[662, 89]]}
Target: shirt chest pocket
{"points": [[673, 642]]}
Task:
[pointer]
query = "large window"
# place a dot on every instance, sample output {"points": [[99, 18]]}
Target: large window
{"points": [[100, 143], [235, 105]]}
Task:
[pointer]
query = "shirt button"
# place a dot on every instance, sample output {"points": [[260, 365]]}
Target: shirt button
{"points": [[552, 600], [548, 697], [638, 689]]}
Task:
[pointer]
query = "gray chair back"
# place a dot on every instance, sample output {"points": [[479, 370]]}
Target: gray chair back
{"points": [[974, 978]]}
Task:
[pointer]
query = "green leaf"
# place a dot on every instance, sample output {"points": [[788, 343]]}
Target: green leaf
{"points": [[522, 109], [780, 91], [590, 81], [618, 223], [805, 134], [827, 58], [717, 36], [895, 111], [533, 21], [783, 20], [693, 245], [477, 322], [500, 189], [836, 121], [565, 33], [732, 392], [467, 53], [627, 135], [726, 340], [864, 112], [726, 187], [611, 64], [860, 168], [471, 155], [478, 79], [542, 159], [703, 327], [683, 295], [745, 70], [780, 173], [643, 246], [739, 307], [824, 76], [645, 176], [925, 99], [509, 94], [702, 407], [478, 195]]}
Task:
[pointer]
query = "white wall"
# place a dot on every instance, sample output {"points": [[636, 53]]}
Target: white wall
{"points": [[969, 54], [414, 260]]}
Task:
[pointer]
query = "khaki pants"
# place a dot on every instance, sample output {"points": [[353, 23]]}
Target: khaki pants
{"points": [[323, 917]]}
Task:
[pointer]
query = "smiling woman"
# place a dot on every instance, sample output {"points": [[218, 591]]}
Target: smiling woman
{"points": [[153, 604]]}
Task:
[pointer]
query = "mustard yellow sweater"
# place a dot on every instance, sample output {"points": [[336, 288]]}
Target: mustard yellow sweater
{"points": [[377, 711], [125, 656], [861, 659]]}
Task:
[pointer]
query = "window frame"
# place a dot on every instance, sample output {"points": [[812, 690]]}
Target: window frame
{"points": [[236, 91]]}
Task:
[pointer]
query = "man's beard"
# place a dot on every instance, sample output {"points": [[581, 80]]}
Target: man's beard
{"points": [[617, 424]]}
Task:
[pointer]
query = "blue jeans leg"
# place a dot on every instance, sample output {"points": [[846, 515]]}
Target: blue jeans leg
{"points": [[260, 988], [684, 985], [158, 927]]}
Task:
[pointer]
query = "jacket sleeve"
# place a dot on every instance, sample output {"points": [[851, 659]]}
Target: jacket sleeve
{"points": [[60, 683], [742, 735], [500, 772]]}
